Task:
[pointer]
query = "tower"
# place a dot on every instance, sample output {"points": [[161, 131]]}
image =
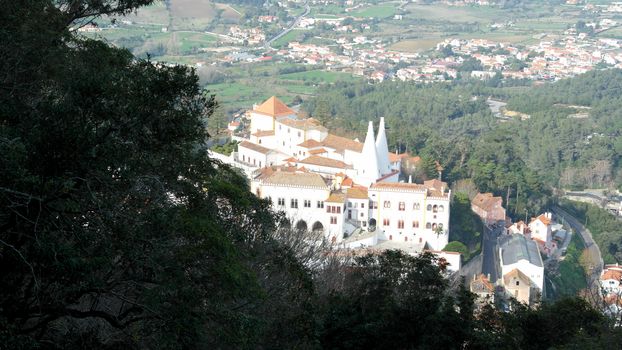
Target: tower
{"points": [[367, 167], [382, 150]]}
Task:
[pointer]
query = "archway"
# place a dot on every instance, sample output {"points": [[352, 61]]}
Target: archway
{"points": [[372, 224], [301, 225], [317, 227]]}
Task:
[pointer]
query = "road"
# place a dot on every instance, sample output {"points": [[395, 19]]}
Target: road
{"points": [[290, 27], [490, 252], [596, 260]]}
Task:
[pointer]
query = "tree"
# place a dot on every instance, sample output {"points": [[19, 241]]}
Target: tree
{"points": [[457, 247], [116, 229]]}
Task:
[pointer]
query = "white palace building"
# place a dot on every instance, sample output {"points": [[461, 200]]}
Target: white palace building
{"points": [[347, 189]]}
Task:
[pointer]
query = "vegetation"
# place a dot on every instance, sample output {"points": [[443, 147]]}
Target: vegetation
{"points": [[604, 226], [569, 277], [119, 233], [226, 148], [450, 123], [465, 227]]}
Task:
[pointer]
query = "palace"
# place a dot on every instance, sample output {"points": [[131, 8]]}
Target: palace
{"points": [[347, 189]]}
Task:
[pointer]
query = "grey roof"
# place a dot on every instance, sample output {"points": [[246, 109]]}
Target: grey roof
{"points": [[516, 247]]}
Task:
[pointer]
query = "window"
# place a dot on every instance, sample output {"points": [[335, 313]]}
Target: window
{"points": [[385, 222], [288, 130], [402, 206], [415, 224], [294, 203], [428, 225], [416, 206], [260, 141], [298, 133], [363, 205], [349, 204], [405, 238], [441, 208], [429, 207], [517, 283], [435, 209], [387, 204], [400, 223], [338, 210], [281, 201], [373, 205], [434, 226], [333, 220], [307, 203], [320, 204], [362, 214]]}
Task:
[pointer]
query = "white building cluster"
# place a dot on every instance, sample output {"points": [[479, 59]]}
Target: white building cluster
{"points": [[347, 189]]}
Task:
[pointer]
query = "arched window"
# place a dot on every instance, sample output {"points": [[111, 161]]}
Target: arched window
{"points": [[435, 209], [441, 208], [415, 224], [428, 225], [434, 226], [429, 207], [416, 206]]}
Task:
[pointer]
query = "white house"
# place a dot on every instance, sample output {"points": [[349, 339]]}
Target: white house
{"points": [[540, 228], [518, 252]]}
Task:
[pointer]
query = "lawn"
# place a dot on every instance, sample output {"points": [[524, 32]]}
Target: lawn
{"points": [[319, 76], [455, 14], [287, 38], [379, 11]]}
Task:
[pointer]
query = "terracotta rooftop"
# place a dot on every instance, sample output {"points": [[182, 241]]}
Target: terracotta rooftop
{"points": [[611, 275], [357, 193], [435, 184], [274, 107], [303, 124], [263, 133], [481, 284], [341, 143], [396, 157], [317, 151], [398, 185], [486, 201], [507, 278], [323, 161], [546, 221], [296, 179], [310, 143], [336, 197], [255, 147]]}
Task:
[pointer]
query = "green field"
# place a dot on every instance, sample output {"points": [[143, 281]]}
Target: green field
{"points": [[319, 76], [380, 11], [287, 38]]}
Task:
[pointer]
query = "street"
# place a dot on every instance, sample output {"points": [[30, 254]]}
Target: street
{"points": [[490, 263], [596, 260]]}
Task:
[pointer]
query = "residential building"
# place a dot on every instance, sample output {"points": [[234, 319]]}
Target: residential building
{"points": [[518, 252], [488, 208]]}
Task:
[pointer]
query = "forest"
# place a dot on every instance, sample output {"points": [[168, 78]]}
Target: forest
{"points": [[570, 140], [118, 232]]}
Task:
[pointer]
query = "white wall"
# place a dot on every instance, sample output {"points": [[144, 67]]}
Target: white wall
{"points": [[261, 122], [421, 216], [535, 273]]}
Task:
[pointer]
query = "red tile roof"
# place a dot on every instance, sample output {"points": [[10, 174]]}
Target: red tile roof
{"points": [[255, 147], [486, 201], [274, 107], [323, 161]]}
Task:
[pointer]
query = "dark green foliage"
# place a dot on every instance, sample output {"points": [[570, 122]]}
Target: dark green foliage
{"points": [[458, 247], [116, 230], [604, 226]]}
